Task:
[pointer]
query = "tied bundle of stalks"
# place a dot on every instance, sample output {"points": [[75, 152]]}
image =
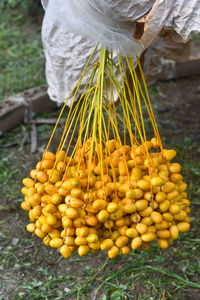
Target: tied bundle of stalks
{"points": [[109, 192]]}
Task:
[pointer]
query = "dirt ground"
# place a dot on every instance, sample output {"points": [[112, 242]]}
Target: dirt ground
{"points": [[30, 270]]}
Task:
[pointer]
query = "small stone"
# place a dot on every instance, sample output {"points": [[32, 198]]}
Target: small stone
{"points": [[15, 241]]}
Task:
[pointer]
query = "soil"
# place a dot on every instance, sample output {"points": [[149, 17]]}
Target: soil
{"points": [[180, 108]]}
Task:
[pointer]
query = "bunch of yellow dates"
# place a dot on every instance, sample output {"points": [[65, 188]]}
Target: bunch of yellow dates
{"points": [[129, 198]]}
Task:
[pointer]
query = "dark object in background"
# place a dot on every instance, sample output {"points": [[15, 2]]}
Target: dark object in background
{"points": [[23, 107], [33, 8]]}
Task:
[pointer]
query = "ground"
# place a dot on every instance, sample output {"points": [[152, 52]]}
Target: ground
{"points": [[30, 270]]}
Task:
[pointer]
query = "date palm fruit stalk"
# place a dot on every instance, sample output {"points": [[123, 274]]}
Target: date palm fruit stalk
{"points": [[108, 192]]}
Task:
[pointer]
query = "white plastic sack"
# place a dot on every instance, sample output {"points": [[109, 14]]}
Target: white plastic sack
{"points": [[66, 56], [67, 51], [110, 23]]}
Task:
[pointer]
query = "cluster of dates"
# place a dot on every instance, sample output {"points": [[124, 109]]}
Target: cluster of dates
{"points": [[123, 199]]}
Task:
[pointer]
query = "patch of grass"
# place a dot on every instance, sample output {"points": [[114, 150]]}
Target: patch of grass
{"points": [[196, 44], [21, 53], [10, 165]]}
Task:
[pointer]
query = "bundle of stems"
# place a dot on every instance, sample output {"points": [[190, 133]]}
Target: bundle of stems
{"points": [[95, 112]]}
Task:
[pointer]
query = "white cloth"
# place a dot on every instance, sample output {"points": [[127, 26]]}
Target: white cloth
{"points": [[71, 29]]}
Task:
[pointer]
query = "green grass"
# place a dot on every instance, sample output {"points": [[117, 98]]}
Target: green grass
{"points": [[196, 38], [21, 53]]}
